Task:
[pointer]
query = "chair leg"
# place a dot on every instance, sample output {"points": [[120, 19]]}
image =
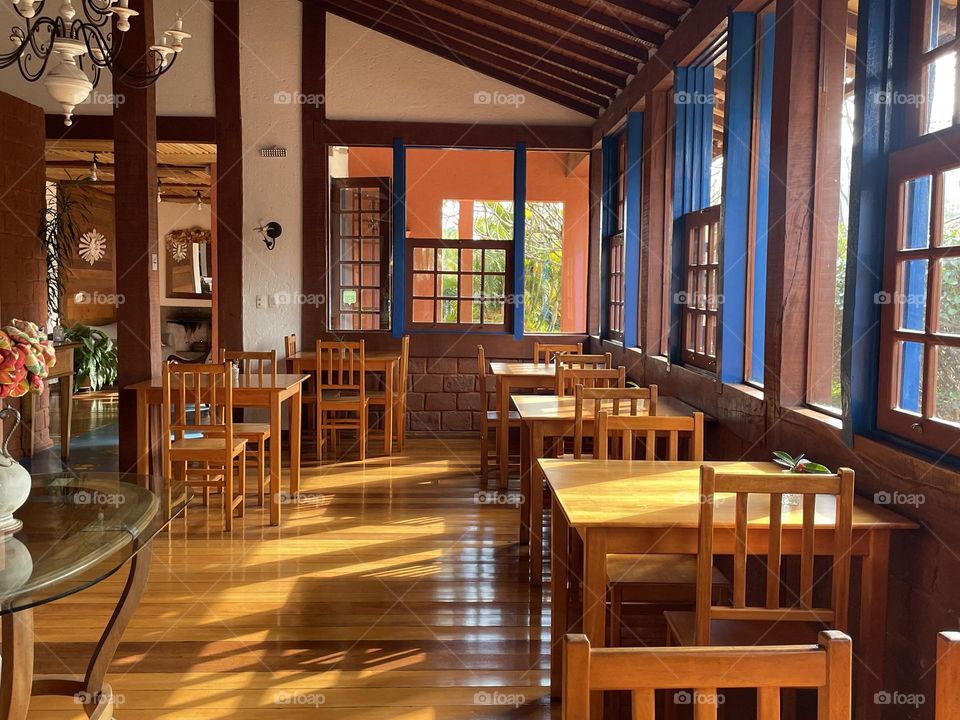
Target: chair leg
{"points": [[320, 433], [228, 496], [362, 433], [243, 485], [484, 453], [261, 469]]}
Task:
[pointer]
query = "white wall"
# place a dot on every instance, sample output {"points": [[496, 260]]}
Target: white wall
{"points": [[270, 64], [176, 216], [187, 89], [374, 77]]}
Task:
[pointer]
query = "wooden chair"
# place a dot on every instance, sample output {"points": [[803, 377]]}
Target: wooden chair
{"points": [[198, 428], [379, 397], [568, 378], [655, 581], [584, 362], [309, 394], [777, 622], [948, 676], [544, 352], [489, 420], [696, 676], [628, 401], [341, 390], [263, 366]]}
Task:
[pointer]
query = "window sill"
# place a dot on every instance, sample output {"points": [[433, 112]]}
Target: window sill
{"points": [[822, 417], [748, 390]]}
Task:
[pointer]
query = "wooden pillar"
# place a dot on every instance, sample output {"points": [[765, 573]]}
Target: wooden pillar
{"points": [[594, 311], [228, 189], [793, 140], [655, 232], [316, 184], [135, 152]]}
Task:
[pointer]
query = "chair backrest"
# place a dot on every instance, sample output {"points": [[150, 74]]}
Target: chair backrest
{"points": [[768, 543], [948, 676], [260, 363], [567, 378], [544, 352], [197, 398], [341, 366], [584, 362], [289, 350], [625, 401], [482, 379], [824, 667], [627, 429]]}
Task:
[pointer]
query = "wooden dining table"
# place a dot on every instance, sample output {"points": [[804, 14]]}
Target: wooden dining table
{"points": [[250, 390], [510, 376], [637, 507], [549, 416], [383, 361]]}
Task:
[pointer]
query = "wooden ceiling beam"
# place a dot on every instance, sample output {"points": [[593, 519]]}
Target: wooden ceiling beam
{"points": [[549, 22], [529, 32], [525, 81], [444, 22], [654, 12], [609, 23]]}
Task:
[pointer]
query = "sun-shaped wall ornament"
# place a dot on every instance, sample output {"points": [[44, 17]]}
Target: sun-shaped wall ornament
{"points": [[178, 241], [178, 249], [93, 246]]}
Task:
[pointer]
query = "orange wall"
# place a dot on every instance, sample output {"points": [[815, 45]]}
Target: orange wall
{"points": [[437, 175]]}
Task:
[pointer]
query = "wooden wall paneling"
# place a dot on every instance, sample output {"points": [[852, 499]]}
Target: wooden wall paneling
{"points": [[229, 177], [135, 148], [89, 287], [593, 271], [792, 182], [316, 183]]}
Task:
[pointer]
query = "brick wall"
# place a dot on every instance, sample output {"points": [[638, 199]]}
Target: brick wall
{"points": [[444, 395], [23, 288]]}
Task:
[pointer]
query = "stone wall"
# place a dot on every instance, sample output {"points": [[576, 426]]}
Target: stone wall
{"points": [[23, 284]]}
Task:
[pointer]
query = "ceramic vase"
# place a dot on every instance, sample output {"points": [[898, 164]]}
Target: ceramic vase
{"points": [[14, 479]]}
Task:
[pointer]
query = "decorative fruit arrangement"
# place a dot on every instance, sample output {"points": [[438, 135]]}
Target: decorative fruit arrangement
{"points": [[25, 359], [799, 464]]}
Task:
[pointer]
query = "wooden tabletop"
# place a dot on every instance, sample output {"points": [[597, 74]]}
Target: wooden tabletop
{"points": [[551, 407], [523, 368], [249, 381], [605, 493]]}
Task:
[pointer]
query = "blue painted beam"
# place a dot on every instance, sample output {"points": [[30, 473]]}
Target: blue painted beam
{"points": [[631, 238], [398, 203], [519, 235]]}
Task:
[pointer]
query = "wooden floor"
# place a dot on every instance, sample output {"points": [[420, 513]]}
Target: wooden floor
{"points": [[389, 592]]}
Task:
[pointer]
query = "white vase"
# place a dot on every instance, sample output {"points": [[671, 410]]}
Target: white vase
{"points": [[14, 479]]}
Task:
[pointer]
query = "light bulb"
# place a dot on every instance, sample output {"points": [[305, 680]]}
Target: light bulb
{"points": [[93, 169]]}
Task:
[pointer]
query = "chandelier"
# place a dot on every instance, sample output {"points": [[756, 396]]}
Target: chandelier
{"points": [[82, 47]]}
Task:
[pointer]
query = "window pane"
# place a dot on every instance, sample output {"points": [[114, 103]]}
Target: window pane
{"points": [[916, 230], [448, 285], [448, 259], [913, 298], [948, 384], [423, 258], [448, 311], [948, 317], [941, 89], [910, 395], [951, 209], [423, 284], [943, 22], [423, 311], [494, 261], [547, 293]]}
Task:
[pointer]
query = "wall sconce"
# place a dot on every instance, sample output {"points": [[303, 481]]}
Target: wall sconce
{"points": [[270, 232]]}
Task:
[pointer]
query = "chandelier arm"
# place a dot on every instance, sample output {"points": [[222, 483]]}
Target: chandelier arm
{"points": [[97, 43], [30, 48], [52, 25], [138, 79], [95, 14]]}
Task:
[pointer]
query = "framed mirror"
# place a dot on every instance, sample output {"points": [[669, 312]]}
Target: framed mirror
{"points": [[189, 264]]}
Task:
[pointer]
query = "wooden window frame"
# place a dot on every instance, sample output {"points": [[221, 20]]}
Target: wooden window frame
{"points": [[438, 244], [697, 289], [615, 269], [922, 58], [933, 159], [383, 262]]}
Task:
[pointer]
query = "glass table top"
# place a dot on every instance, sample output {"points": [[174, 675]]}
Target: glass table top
{"points": [[79, 529]]}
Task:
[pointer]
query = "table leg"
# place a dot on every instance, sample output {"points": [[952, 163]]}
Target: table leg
{"points": [[296, 428], [27, 408], [873, 623], [388, 394], [536, 505], [66, 413], [275, 459], [559, 605], [503, 439], [595, 600], [524, 483], [16, 672], [143, 434], [401, 420]]}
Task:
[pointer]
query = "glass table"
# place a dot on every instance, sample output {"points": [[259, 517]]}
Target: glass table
{"points": [[78, 530]]}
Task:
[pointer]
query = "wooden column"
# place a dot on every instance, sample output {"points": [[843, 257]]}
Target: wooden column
{"points": [[594, 311], [135, 151], [655, 231], [792, 182], [228, 189], [316, 186]]}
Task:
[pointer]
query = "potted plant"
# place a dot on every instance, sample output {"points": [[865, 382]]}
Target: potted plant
{"points": [[61, 226], [798, 464], [95, 361]]}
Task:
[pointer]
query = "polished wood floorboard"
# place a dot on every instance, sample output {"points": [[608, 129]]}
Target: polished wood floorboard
{"points": [[388, 592]]}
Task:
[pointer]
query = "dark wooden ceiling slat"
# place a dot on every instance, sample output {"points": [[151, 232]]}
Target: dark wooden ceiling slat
{"points": [[654, 12], [610, 23]]}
